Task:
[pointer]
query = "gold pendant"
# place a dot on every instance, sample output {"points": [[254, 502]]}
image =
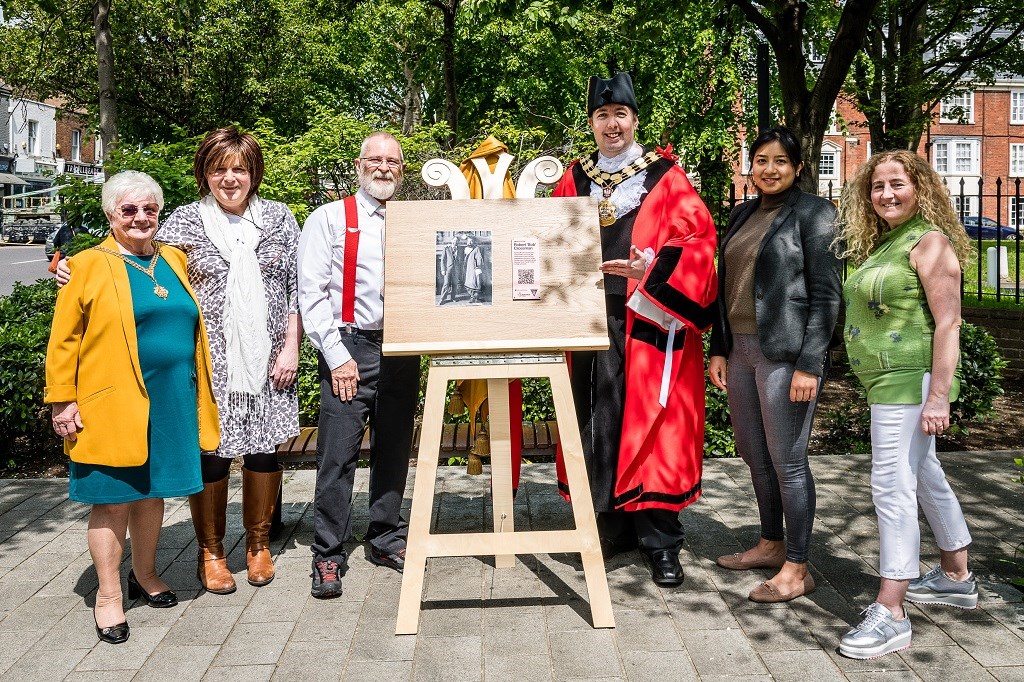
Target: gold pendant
{"points": [[606, 212], [160, 291]]}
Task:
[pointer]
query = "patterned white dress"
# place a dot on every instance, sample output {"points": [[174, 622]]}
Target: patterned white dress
{"points": [[255, 430]]}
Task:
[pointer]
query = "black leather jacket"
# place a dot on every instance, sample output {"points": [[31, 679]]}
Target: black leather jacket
{"points": [[797, 288]]}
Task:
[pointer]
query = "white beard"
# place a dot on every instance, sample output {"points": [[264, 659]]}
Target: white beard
{"points": [[380, 186]]}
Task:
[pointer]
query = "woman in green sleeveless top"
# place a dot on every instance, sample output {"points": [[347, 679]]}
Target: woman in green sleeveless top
{"points": [[902, 336]]}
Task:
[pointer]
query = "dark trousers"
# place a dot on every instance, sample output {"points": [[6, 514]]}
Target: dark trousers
{"points": [[386, 402], [771, 437], [599, 390]]}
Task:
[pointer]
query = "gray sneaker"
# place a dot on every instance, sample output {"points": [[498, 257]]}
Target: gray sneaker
{"points": [[935, 587], [878, 634]]}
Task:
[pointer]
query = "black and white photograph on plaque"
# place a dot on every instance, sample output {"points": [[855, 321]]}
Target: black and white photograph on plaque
{"points": [[463, 268]]}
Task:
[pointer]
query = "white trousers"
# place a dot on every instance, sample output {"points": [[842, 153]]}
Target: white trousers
{"points": [[904, 472]]}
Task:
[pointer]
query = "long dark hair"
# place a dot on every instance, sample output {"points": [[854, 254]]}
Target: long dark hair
{"points": [[783, 136]]}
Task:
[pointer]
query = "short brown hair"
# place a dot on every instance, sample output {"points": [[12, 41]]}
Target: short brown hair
{"points": [[220, 144]]}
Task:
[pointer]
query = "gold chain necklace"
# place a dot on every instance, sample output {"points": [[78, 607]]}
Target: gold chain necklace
{"points": [[608, 181], [157, 289]]}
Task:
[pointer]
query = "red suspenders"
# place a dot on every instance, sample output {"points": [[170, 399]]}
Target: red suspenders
{"points": [[348, 286]]}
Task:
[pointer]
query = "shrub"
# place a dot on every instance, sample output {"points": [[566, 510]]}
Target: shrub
{"points": [[25, 318]]}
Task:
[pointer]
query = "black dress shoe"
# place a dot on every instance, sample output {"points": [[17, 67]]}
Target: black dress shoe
{"points": [[163, 600], [666, 571], [395, 560], [115, 634]]}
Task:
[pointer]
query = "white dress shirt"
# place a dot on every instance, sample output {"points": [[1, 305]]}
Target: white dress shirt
{"points": [[321, 268]]}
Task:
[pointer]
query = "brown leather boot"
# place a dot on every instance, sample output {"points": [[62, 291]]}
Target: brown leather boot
{"points": [[259, 495], [209, 509]]}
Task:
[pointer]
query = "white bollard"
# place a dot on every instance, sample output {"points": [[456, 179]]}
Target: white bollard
{"points": [[996, 274]]}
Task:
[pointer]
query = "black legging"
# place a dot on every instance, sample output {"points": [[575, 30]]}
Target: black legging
{"points": [[216, 468]]}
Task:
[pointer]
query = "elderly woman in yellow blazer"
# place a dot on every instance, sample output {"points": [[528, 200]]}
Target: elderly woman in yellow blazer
{"points": [[128, 375]]}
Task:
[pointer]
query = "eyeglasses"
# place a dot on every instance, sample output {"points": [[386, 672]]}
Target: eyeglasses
{"points": [[129, 210], [376, 162]]}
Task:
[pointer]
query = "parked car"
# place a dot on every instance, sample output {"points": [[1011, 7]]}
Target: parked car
{"points": [[58, 238], [989, 228]]}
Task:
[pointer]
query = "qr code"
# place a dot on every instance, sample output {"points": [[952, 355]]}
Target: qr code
{"points": [[524, 277]]}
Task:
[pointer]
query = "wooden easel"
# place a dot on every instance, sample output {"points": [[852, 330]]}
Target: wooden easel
{"points": [[504, 543]]}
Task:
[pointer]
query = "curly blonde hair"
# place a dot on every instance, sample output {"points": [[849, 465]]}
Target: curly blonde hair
{"points": [[861, 229]]}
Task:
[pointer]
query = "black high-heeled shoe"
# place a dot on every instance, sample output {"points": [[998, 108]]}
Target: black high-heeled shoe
{"points": [[163, 600], [115, 634]]}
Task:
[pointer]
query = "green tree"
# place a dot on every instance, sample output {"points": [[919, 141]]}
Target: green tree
{"points": [[809, 95], [918, 53]]}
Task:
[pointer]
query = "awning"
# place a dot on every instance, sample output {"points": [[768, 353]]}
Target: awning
{"points": [[8, 179]]}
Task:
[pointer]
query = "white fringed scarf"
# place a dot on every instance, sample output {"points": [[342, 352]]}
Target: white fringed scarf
{"points": [[245, 300]]}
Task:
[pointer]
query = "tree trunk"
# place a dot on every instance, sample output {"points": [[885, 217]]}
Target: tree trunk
{"points": [[105, 74], [449, 9], [412, 102]]}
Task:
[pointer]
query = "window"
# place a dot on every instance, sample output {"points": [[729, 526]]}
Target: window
{"points": [[957, 157], [827, 164], [76, 145], [33, 138], [958, 109], [1017, 212], [1017, 160], [833, 124], [97, 148], [966, 205], [745, 159], [1017, 107]]}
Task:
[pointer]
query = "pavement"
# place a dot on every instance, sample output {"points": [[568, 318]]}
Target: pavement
{"points": [[23, 263], [530, 622]]}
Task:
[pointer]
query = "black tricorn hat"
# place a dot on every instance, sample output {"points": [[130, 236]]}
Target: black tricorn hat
{"points": [[616, 90]]}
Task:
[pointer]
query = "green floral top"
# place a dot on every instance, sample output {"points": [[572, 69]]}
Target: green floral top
{"points": [[889, 327]]}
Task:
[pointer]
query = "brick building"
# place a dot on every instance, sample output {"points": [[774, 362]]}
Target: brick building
{"points": [[978, 136]]}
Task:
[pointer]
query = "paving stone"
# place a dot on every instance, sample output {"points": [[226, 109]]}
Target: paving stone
{"points": [[1009, 674], [439, 659], [641, 666], [375, 640], [580, 653], [714, 651], [15, 593], [938, 662], [801, 665], [239, 673], [43, 665], [451, 622], [39, 613], [361, 671], [327, 619], [101, 676], [516, 649], [274, 604], [14, 644], [175, 662], [199, 627], [311, 661], [127, 656], [651, 631], [989, 642], [254, 644], [777, 629]]}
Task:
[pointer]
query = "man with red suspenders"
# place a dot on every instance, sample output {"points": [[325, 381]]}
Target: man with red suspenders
{"points": [[341, 297]]}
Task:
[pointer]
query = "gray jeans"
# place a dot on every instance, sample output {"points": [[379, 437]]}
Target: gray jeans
{"points": [[771, 437]]}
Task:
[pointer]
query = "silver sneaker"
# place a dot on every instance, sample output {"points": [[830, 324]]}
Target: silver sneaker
{"points": [[935, 587], [878, 634]]}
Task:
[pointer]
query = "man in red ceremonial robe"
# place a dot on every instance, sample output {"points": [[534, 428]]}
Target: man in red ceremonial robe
{"points": [[641, 402]]}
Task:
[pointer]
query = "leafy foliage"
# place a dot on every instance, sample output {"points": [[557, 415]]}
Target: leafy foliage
{"points": [[25, 318]]}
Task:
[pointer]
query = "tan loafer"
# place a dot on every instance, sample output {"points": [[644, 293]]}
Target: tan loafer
{"points": [[737, 563], [767, 593]]}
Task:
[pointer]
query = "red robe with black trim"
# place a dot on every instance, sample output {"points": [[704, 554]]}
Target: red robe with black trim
{"points": [[662, 445]]}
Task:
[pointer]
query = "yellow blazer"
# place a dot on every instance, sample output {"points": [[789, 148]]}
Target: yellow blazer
{"points": [[93, 358]]}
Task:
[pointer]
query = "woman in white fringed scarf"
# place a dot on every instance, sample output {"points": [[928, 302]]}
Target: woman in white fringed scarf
{"points": [[242, 253]]}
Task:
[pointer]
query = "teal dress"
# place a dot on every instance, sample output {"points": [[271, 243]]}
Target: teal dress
{"points": [[166, 331]]}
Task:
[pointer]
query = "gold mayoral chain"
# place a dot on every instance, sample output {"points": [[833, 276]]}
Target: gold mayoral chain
{"points": [[608, 181], [157, 289]]}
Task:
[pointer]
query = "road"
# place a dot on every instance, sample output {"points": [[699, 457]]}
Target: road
{"points": [[21, 263]]}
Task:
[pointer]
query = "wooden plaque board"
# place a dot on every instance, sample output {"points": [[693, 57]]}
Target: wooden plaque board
{"points": [[568, 315]]}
